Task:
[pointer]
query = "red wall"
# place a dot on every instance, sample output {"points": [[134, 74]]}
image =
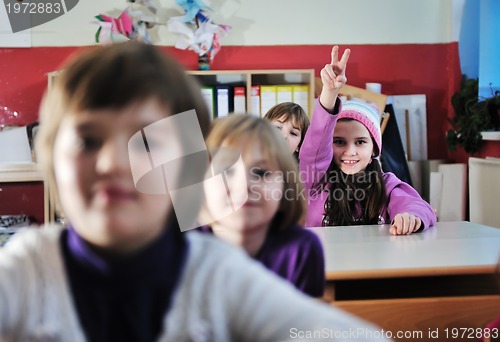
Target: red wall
{"points": [[490, 148], [430, 69]]}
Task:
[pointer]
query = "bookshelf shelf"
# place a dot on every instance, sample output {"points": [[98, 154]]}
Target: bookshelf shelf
{"points": [[20, 173], [249, 78], [495, 135]]}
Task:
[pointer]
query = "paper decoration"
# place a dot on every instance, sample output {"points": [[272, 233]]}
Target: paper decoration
{"points": [[132, 24], [195, 30]]}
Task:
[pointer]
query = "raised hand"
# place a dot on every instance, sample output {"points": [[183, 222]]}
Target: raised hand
{"points": [[333, 77], [405, 224]]}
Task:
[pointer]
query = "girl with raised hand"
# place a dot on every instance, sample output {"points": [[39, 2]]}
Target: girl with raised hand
{"points": [[339, 163]]}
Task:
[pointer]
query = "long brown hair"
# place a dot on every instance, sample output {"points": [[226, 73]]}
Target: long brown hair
{"points": [[362, 192]]}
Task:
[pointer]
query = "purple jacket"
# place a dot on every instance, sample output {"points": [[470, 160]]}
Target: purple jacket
{"points": [[295, 254], [315, 157]]}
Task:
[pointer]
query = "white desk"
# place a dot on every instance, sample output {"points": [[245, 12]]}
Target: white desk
{"points": [[441, 278]]}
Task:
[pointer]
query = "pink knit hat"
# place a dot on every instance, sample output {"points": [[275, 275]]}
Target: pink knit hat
{"points": [[367, 114]]}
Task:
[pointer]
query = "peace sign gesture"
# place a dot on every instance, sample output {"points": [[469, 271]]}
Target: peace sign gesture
{"points": [[333, 77]]}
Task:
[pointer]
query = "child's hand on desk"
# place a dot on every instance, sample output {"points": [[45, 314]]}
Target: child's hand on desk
{"points": [[405, 223]]}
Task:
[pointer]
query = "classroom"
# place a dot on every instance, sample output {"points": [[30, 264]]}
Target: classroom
{"points": [[431, 70]]}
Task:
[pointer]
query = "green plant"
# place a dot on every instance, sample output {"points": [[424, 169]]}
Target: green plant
{"points": [[472, 115]]}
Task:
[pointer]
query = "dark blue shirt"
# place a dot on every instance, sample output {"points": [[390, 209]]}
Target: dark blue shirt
{"points": [[123, 299]]}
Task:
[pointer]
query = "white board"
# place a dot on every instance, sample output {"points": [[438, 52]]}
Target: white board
{"points": [[416, 106]]}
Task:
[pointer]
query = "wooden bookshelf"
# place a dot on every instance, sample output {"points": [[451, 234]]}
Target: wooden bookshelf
{"points": [[248, 78]]}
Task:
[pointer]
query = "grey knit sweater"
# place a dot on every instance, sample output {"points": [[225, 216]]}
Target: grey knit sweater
{"points": [[222, 296]]}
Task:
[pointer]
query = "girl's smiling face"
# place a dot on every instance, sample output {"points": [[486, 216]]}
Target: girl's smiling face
{"points": [[94, 178], [290, 131], [352, 146]]}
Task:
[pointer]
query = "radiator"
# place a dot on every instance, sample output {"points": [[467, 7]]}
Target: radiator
{"points": [[484, 191]]}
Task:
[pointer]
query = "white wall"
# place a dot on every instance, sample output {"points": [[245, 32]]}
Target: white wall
{"points": [[265, 22]]}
